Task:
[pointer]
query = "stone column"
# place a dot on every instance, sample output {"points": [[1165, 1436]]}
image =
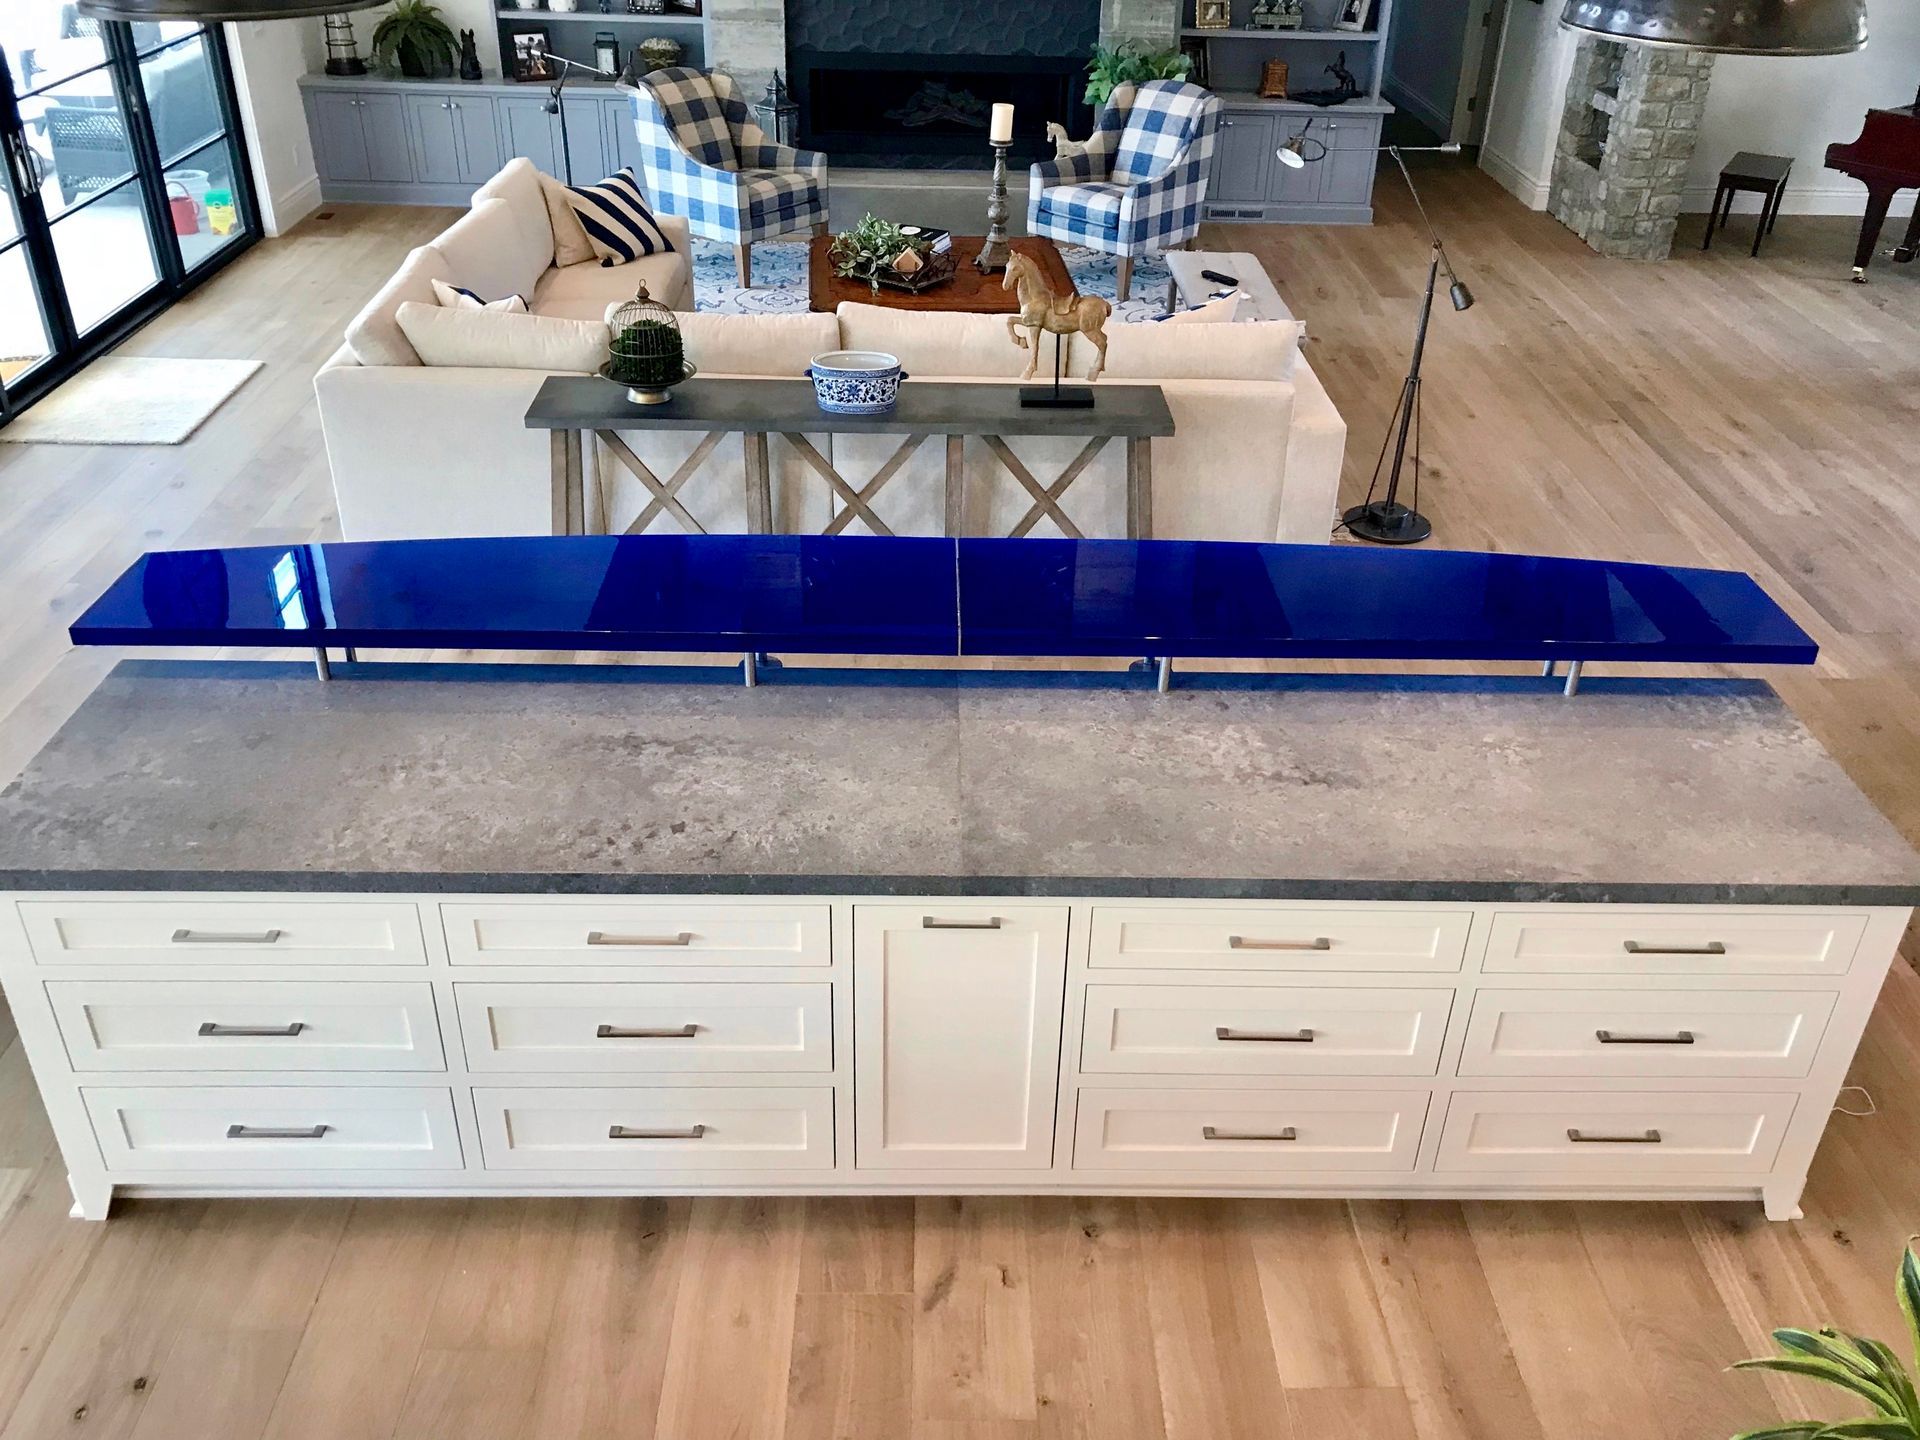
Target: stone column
{"points": [[1154, 23], [1627, 133]]}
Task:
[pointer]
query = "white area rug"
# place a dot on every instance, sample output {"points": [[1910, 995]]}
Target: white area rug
{"points": [[131, 400]]}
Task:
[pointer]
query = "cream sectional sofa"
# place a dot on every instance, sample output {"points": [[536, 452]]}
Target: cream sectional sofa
{"points": [[423, 450]]}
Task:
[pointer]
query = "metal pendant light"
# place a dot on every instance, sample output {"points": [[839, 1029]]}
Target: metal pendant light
{"points": [[138, 10], [1727, 27]]}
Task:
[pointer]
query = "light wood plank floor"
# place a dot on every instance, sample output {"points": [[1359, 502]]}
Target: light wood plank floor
{"points": [[1760, 414]]}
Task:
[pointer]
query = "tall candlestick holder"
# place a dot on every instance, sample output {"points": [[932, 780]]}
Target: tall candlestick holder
{"points": [[993, 255]]}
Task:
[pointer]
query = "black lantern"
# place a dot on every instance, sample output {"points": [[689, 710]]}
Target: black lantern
{"points": [[343, 52], [776, 113]]}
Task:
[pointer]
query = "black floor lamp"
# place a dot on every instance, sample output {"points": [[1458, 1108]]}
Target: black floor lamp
{"points": [[1386, 521], [556, 103]]}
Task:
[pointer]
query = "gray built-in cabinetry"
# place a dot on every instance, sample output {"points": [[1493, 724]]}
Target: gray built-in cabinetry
{"points": [[1248, 182], [430, 142]]}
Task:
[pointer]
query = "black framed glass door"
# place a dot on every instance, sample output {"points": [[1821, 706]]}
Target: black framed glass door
{"points": [[125, 182]]}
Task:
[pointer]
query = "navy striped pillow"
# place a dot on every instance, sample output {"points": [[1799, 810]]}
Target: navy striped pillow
{"points": [[618, 223]]}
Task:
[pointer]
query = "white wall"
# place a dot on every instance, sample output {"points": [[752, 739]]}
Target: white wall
{"points": [[1529, 88], [1423, 58], [269, 57], [1791, 107]]}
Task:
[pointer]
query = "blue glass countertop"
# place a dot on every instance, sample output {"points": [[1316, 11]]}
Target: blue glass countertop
{"points": [[854, 595]]}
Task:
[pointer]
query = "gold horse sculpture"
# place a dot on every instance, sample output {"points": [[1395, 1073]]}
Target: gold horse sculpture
{"points": [[1045, 313]]}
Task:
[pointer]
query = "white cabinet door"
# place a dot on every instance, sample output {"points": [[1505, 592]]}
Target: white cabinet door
{"points": [[957, 1035]]}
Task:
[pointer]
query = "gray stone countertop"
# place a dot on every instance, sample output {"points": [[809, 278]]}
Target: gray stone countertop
{"points": [[254, 775]]}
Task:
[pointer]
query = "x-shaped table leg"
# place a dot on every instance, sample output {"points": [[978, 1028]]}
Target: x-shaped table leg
{"points": [[663, 495], [880, 477], [1045, 498], [856, 502]]}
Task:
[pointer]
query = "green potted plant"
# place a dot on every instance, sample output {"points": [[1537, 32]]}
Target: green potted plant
{"points": [[1867, 1368], [1130, 63], [869, 249], [414, 37]]}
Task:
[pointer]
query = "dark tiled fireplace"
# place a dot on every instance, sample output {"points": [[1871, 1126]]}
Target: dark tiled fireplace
{"points": [[910, 83]]}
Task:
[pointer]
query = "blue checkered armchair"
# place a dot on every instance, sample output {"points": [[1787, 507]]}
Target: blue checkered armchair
{"points": [[1138, 186], [707, 162]]}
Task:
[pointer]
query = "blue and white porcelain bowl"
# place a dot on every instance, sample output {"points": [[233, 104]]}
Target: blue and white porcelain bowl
{"points": [[856, 382]]}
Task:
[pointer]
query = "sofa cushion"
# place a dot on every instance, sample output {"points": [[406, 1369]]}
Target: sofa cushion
{"points": [[570, 243], [1213, 312], [1089, 208], [584, 292], [757, 344], [374, 336], [618, 223], [518, 186], [494, 340], [1253, 350], [487, 251], [932, 344]]}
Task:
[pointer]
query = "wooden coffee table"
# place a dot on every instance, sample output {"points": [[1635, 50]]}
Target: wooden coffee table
{"points": [[968, 291]]}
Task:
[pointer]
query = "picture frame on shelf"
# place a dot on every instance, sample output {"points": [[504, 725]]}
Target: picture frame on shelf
{"points": [[532, 48], [1195, 49], [1354, 15], [1213, 14]]}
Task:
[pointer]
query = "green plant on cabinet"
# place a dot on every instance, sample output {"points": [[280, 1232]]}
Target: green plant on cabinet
{"points": [[1865, 1367], [1130, 63], [868, 248], [416, 40]]}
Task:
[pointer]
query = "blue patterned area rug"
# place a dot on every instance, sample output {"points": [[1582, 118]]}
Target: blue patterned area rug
{"points": [[780, 279]]}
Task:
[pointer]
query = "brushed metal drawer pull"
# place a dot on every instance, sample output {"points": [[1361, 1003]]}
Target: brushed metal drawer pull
{"points": [[1242, 942], [215, 937], [1613, 1037], [1209, 1132], [622, 1132], [213, 1029], [600, 937], [931, 922], [1276, 1037], [1712, 947], [268, 1132], [1648, 1137], [620, 1032]]}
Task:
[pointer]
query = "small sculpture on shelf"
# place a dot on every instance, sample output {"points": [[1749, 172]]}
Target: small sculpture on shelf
{"points": [[1044, 313], [469, 56]]}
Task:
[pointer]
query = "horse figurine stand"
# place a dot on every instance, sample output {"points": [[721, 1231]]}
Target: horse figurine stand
{"points": [[1044, 313]]}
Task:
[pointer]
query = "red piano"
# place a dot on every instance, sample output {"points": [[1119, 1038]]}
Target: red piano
{"points": [[1885, 158]]}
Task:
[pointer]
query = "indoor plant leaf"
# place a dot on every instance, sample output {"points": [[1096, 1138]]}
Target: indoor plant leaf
{"points": [[1829, 1345], [1817, 1369], [1866, 1430], [1790, 1430], [1907, 1289]]}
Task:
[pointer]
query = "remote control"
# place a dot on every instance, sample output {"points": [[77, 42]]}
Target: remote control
{"points": [[1219, 278]]}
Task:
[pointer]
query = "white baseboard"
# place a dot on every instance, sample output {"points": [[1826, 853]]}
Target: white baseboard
{"points": [[1838, 198], [1419, 107], [290, 207], [1527, 189]]}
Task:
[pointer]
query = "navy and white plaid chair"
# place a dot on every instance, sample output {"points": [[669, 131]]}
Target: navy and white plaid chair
{"points": [[1139, 184], [706, 161]]}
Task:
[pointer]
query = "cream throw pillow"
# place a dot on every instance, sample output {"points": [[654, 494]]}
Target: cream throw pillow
{"points": [[495, 340], [570, 243], [455, 297], [1251, 350], [780, 346], [932, 344], [1214, 312]]}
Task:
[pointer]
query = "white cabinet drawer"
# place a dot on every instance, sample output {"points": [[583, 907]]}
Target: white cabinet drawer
{"points": [[195, 1025], [662, 1027], [1681, 941], [1613, 1133], [637, 932], [269, 1128], [186, 931], [656, 1132], [1248, 1131], [1645, 1032], [1270, 1030], [1279, 937]]}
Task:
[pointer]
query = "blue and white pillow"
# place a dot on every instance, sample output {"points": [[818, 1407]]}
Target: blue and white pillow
{"points": [[458, 297], [618, 223]]}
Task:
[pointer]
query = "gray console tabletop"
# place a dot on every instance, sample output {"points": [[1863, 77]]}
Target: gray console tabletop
{"points": [[400, 778]]}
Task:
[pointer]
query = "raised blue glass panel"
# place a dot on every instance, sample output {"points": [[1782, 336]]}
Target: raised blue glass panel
{"points": [[802, 594], [1217, 599]]}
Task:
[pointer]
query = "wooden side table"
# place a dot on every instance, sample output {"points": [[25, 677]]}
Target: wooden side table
{"points": [[1766, 174], [968, 292]]}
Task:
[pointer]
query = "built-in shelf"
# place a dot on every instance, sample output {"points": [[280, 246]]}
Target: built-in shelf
{"points": [[618, 17], [1248, 100], [1194, 32]]}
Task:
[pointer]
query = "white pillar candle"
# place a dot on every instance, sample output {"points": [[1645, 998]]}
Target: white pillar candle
{"points": [[1001, 132]]}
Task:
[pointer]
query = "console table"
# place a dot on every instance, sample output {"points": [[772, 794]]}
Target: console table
{"points": [[574, 406], [564, 930]]}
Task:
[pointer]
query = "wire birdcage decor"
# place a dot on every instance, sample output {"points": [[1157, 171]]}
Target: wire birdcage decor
{"points": [[647, 354]]}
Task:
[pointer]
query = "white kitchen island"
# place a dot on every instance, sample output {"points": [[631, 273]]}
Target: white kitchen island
{"points": [[584, 931]]}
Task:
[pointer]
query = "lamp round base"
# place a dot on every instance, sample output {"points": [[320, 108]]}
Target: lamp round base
{"points": [[1387, 523]]}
